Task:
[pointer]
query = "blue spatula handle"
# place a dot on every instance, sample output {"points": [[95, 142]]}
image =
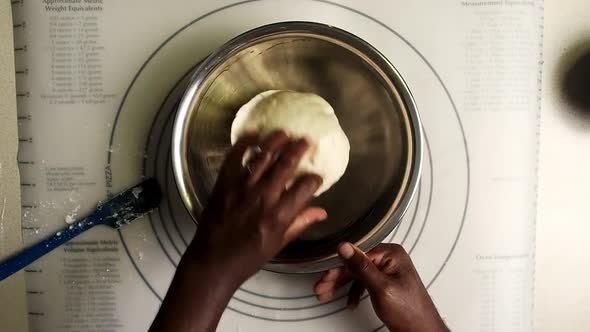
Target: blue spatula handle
{"points": [[19, 261], [120, 210]]}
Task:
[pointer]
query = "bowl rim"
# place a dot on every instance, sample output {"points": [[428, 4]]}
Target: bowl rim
{"points": [[188, 102]]}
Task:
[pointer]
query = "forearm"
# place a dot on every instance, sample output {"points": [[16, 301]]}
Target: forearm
{"points": [[196, 298]]}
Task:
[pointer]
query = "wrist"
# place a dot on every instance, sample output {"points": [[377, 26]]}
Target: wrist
{"points": [[220, 273], [429, 322], [197, 296]]}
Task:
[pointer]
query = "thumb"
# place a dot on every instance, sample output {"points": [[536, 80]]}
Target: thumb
{"points": [[303, 221], [360, 266]]}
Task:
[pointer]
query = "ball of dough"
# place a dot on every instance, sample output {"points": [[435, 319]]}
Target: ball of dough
{"points": [[300, 115]]}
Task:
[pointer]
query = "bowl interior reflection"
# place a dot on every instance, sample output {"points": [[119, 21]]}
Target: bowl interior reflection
{"points": [[370, 114]]}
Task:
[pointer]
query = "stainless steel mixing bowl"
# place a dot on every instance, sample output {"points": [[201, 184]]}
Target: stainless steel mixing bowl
{"points": [[371, 100]]}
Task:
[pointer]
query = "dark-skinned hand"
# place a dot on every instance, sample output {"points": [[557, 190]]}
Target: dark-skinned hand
{"points": [[252, 215], [253, 212], [398, 295]]}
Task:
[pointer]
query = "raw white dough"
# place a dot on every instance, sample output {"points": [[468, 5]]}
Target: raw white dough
{"points": [[300, 115]]}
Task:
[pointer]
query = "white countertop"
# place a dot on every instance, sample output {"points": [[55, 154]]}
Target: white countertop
{"points": [[563, 224]]}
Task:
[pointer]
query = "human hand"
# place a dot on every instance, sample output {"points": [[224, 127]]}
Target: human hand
{"points": [[251, 215], [399, 298]]}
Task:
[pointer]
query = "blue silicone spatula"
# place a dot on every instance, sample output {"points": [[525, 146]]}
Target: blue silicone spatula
{"points": [[121, 210]]}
